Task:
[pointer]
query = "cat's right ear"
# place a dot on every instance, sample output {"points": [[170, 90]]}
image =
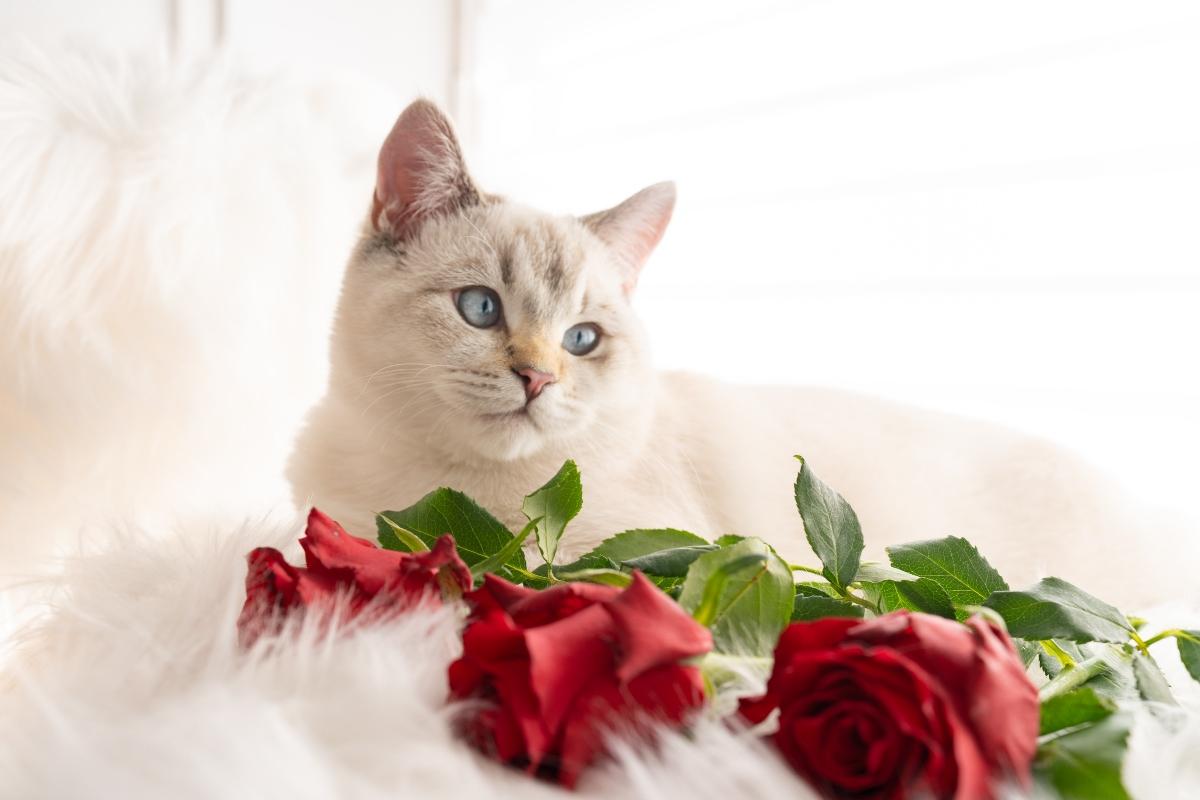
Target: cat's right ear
{"points": [[633, 228], [421, 173]]}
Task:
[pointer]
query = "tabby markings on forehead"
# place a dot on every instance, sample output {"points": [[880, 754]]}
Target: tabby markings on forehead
{"points": [[380, 242], [506, 270], [542, 250]]}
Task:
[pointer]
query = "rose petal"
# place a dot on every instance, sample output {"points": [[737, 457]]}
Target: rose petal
{"points": [[506, 735], [329, 548], [274, 586], [558, 602], [493, 639], [1003, 706], [799, 637], [511, 682], [500, 592], [566, 655], [666, 694], [444, 565], [583, 734], [850, 735], [652, 629]]}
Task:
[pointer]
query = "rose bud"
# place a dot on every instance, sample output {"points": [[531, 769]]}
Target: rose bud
{"points": [[338, 564], [560, 669], [904, 705]]}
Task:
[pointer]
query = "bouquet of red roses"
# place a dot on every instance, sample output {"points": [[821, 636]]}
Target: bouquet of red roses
{"points": [[917, 678]]}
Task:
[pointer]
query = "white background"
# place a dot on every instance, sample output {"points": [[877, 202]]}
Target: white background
{"points": [[985, 208]]}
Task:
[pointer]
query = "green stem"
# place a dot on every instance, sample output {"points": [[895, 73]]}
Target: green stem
{"points": [[858, 601], [1176, 632], [498, 559], [1141, 644], [524, 573], [802, 568], [1063, 656], [1073, 677]]}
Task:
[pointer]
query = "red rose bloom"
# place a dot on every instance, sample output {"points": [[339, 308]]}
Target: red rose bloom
{"points": [[902, 705], [336, 562], [564, 666]]}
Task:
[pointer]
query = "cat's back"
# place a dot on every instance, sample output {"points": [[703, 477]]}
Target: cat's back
{"points": [[1029, 505]]}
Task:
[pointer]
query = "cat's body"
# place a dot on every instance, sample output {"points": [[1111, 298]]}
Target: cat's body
{"points": [[479, 344], [717, 458]]}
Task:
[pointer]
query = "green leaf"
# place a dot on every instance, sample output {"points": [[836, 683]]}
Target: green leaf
{"points": [[1084, 763], [1051, 665], [816, 589], [631, 544], [505, 554], [609, 577], [1055, 609], [1118, 681], [874, 572], [749, 591], [831, 527], [1028, 651], [1151, 683], [476, 532], [919, 595], [1189, 652], [953, 564], [556, 504], [806, 608], [728, 539], [671, 563], [404, 538], [586, 561], [1079, 707]]}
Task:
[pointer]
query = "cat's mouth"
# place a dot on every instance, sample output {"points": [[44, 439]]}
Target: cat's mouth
{"points": [[517, 414]]}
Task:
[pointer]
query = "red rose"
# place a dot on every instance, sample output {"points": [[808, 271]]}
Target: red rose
{"points": [[901, 705], [564, 666], [337, 562]]}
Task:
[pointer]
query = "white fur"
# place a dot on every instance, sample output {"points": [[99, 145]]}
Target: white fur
{"points": [[170, 237]]}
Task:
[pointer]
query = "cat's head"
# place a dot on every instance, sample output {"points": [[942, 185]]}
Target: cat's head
{"points": [[494, 329]]}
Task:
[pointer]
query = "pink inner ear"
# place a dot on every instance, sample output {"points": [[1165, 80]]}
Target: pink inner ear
{"points": [[420, 171], [641, 243], [636, 226]]}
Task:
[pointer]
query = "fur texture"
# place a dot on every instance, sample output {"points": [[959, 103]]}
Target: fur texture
{"points": [[139, 685], [166, 235]]}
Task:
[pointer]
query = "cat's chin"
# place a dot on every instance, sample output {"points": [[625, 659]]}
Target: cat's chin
{"points": [[501, 436]]}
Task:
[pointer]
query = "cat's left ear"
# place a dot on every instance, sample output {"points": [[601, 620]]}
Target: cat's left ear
{"points": [[633, 228], [421, 173]]}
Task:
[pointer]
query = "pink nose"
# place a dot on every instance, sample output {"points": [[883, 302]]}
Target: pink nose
{"points": [[535, 380]]}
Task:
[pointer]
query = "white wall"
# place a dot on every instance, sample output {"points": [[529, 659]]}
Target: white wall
{"points": [[985, 208], [401, 46]]}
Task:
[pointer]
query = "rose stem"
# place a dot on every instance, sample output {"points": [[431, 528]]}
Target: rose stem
{"points": [[1072, 677]]}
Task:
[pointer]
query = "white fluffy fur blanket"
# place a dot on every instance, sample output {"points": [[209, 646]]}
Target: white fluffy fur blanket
{"points": [[162, 231], [135, 687]]}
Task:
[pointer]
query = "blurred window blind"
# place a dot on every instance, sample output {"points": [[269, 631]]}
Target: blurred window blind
{"points": [[986, 208]]}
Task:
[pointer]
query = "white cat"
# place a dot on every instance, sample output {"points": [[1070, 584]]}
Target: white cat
{"points": [[479, 343]]}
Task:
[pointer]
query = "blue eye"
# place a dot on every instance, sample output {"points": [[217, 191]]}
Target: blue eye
{"points": [[581, 339], [479, 306]]}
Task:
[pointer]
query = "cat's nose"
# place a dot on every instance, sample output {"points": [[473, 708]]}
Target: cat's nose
{"points": [[535, 380]]}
